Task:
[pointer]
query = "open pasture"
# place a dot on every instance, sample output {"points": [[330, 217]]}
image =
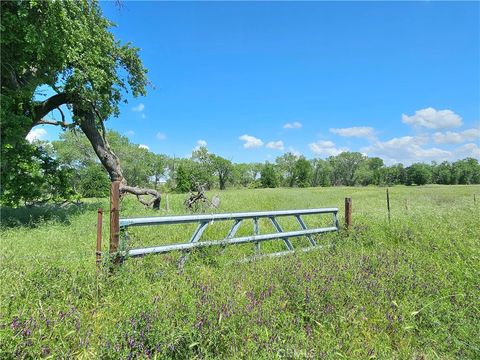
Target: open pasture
{"points": [[405, 289]]}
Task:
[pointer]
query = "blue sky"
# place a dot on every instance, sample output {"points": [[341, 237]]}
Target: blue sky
{"points": [[253, 80]]}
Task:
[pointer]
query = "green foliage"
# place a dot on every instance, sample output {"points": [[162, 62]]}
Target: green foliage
{"points": [[286, 168], [74, 150], [243, 175], [157, 167], [395, 175], [346, 166], [466, 171], [189, 174], [322, 173], [144, 168], [67, 48], [303, 172], [182, 178], [66, 45], [202, 169], [375, 166], [268, 176], [223, 168], [35, 177], [94, 181], [373, 294], [371, 172], [140, 166], [442, 173], [419, 174]]}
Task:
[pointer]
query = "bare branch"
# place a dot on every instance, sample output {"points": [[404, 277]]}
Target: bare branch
{"points": [[138, 192], [63, 116], [49, 105], [61, 123], [49, 122]]}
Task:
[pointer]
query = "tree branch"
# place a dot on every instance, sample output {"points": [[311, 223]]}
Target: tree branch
{"points": [[63, 123], [138, 192], [102, 124], [49, 122], [52, 103], [62, 115]]}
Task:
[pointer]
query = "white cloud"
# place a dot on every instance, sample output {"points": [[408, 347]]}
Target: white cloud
{"points": [[141, 146], [451, 137], [406, 149], [325, 143], [37, 134], [130, 133], [251, 141], [356, 131], [139, 108], [294, 125], [276, 145], [468, 150], [161, 136], [433, 119], [143, 116], [326, 148]]}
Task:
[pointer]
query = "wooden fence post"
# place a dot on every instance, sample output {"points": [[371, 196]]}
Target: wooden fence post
{"points": [[388, 205], [348, 213], [98, 253], [114, 217]]}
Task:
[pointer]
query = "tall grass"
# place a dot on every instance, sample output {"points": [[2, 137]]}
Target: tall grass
{"points": [[404, 289]]}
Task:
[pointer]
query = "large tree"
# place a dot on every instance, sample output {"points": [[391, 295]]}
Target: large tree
{"points": [[269, 177], [346, 167], [65, 50], [419, 174], [303, 172], [286, 166], [223, 168], [322, 172], [466, 171]]}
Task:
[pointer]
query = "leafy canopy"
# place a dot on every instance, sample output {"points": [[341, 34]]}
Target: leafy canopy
{"points": [[67, 46], [64, 50]]}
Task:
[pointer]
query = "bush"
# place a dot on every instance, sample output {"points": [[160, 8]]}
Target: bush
{"points": [[94, 181], [268, 177]]}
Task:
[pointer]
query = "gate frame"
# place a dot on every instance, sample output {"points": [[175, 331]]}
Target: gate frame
{"points": [[118, 225]]}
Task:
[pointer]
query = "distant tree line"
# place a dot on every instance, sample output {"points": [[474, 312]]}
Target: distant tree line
{"points": [[356, 169], [68, 168]]}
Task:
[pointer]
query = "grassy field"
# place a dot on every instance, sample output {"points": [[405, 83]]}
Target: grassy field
{"points": [[405, 289]]}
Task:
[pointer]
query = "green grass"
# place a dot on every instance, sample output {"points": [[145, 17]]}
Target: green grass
{"points": [[405, 289]]}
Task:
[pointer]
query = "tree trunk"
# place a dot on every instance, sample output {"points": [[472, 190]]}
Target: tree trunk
{"points": [[100, 145], [88, 124], [110, 161], [221, 181]]}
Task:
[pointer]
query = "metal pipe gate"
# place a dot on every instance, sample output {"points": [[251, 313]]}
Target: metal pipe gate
{"points": [[205, 220]]}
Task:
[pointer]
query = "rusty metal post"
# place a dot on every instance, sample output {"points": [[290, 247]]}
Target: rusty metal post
{"points": [[98, 253], [348, 213], [114, 217], [388, 205]]}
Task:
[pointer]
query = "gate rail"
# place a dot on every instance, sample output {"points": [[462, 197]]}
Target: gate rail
{"points": [[205, 220]]}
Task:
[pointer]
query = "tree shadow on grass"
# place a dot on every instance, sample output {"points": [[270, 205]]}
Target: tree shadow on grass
{"points": [[36, 215]]}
